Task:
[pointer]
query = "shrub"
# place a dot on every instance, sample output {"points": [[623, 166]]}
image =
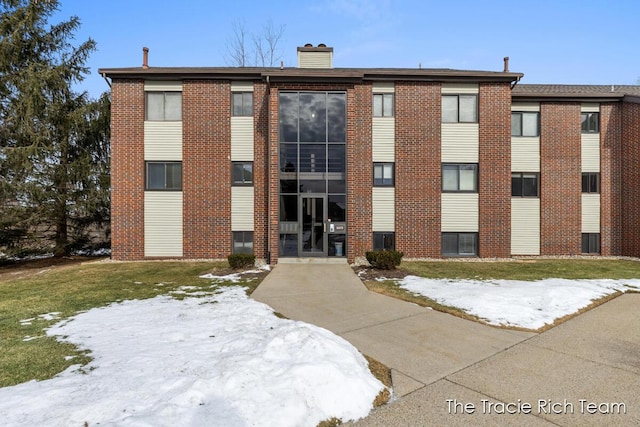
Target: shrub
{"points": [[241, 260], [384, 260]]}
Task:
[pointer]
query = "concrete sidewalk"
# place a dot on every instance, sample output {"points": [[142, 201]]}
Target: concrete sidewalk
{"points": [[449, 371]]}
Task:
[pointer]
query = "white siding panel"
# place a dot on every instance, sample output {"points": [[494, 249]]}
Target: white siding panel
{"points": [[525, 154], [163, 223], [456, 88], [315, 59], [384, 87], [165, 86], [591, 213], [242, 138], [590, 107], [384, 216], [242, 209], [460, 142], [591, 152], [525, 106], [163, 140], [459, 212], [383, 139], [241, 86], [525, 226]]}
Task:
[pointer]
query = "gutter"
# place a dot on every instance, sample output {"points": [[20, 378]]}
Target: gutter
{"points": [[104, 76]]}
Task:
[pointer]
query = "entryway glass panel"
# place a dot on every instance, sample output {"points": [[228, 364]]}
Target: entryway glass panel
{"points": [[313, 226]]}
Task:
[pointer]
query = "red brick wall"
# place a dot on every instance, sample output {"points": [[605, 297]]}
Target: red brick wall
{"points": [[359, 171], [610, 174], [561, 179], [260, 170], [206, 168], [273, 176], [127, 169], [418, 168], [631, 179], [494, 170]]}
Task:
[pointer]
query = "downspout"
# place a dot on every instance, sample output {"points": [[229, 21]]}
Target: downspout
{"points": [[268, 172], [104, 76]]}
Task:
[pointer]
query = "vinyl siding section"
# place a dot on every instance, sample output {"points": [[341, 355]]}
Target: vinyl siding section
{"points": [[242, 209], [315, 59], [590, 107], [162, 86], [459, 212], [383, 139], [163, 224], [163, 140], [525, 226], [383, 87], [459, 88], [242, 138], [526, 106], [591, 213], [525, 154], [383, 203], [241, 86], [460, 142], [590, 152]]}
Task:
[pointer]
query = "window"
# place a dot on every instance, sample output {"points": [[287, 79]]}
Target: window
{"points": [[460, 177], [163, 106], [590, 182], [590, 243], [524, 184], [459, 108], [382, 105], [164, 176], [384, 241], [459, 244], [590, 122], [383, 174], [525, 124], [242, 103], [243, 242], [242, 173]]}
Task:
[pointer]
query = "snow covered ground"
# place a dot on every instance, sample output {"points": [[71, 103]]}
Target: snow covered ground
{"points": [[213, 358], [517, 303]]}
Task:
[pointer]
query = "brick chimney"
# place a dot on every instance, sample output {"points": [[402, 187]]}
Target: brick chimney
{"points": [[145, 57], [315, 57]]}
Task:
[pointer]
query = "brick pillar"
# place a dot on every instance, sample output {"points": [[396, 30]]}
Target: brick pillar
{"points": [[260, 171], [561, 179], [610, 174], [494, 170], [127, 170], [359, 171], [631, 179], [418, 168], [206, 168], [273, 175]]}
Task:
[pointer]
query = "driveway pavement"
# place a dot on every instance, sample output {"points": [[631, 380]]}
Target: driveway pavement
{"points": [[450, 371]]}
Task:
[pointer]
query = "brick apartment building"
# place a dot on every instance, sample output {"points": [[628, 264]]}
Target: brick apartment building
{"points": [[316, 161]]}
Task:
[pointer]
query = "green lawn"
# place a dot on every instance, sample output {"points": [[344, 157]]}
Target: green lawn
{"points": [[68, 290]]}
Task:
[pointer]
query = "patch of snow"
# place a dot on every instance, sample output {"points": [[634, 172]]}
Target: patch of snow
{"points": [[219, 360], [527, 304], [26, 322], [29, 338], [93, 252], [50, 316], [233, 277]]}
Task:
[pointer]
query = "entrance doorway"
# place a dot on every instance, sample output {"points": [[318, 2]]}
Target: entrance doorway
{"points": [[313, 236]]}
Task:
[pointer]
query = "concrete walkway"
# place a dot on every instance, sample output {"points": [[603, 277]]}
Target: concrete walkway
{"points": [[450, 371]]}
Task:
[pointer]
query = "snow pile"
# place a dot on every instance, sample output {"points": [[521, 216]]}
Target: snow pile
{"points": [[222, 359], [525, 304]]}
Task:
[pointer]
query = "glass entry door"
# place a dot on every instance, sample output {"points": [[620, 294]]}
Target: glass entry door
{"points": [[313, 237]]}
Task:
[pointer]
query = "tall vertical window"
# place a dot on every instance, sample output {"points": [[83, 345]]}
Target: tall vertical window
{"points": [[242, 103], [525, 124], [163, 106], [459, 108], [383, 104], [590, 122], [524, 184], [383, 174], [164, 176], [242, 173], [590, 182], [460, 177]]}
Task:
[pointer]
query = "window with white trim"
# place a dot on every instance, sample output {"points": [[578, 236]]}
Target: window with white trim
{"points": [[383, 104], [525, 124], [242, 242], [383, 174], [242, 173], [242, 103], [590, 122], [460, 108], [462, 177], [163, 106]]}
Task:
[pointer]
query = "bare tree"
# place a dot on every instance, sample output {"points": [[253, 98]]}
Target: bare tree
{"points": [[246, 49]]}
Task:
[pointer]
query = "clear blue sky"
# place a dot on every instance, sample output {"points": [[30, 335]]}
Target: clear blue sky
{"points": [[550, 41]]}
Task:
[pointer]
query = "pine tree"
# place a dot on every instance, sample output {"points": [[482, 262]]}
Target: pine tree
{"points": [[53, 140]]}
